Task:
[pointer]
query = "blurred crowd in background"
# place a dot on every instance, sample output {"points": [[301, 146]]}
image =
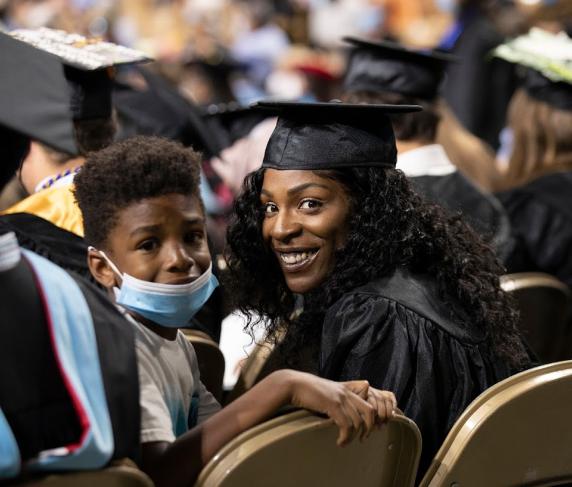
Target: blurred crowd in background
{"points": [[229, 53], [225, 50]]}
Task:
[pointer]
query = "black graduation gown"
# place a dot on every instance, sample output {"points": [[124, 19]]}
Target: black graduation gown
{"points": [[32, 394], [399, 335], [483, 212], [541, 217], [42, 237]]}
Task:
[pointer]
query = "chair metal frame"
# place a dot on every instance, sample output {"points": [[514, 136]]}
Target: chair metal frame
{"points": [[557, 322], [522, 280], [442, 471]]}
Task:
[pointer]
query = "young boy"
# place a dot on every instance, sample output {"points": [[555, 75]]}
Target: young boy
{"points": [[143, 215]]}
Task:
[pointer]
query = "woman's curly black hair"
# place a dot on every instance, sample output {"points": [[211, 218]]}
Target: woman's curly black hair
{"points": [[390, 226], [129, 171]]}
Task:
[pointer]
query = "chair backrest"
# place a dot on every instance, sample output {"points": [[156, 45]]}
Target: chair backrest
{"points": [[119, 476], [210, 360], [544, 304], [518, 432], [300, 449]]}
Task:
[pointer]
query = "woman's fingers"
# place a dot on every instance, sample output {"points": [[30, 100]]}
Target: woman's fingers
{"points": [[385, 401]]}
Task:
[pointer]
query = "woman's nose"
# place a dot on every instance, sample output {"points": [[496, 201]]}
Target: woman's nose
{"points": [[285, 226]]}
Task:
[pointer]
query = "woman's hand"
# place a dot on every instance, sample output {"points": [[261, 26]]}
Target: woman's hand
{"points": [[351, 405]]}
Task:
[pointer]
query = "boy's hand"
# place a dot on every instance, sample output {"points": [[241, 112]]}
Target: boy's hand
{"points": [[384, 402], [339, 401]]}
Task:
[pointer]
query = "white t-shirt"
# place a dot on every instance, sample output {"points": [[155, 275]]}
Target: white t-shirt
{"points": [[173, 399]]}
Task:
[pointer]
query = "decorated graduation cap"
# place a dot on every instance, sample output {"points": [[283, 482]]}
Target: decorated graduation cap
{"points": [[555, 93], [50, 79], [390, 67], [547, 59], [331, 135]]}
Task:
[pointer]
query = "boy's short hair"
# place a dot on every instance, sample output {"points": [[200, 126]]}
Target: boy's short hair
{"points": [[127, 172]]}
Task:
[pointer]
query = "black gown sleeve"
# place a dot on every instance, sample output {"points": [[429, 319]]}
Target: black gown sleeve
{"points": [[434, 375]]}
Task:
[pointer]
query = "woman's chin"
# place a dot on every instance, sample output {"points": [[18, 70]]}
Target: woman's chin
{"points": [[302, 284]]}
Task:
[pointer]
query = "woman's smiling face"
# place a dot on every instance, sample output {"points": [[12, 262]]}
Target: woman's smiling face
{"points": [[305, 222]]}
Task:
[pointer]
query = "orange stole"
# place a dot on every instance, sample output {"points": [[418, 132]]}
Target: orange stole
{"points": [[56, 205]]}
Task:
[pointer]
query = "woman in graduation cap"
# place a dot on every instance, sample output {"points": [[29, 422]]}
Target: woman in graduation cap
{"points": [[393, 291], [539, 170]]}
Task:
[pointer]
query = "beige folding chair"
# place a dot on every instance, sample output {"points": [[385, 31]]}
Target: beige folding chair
{"points": [[517, 433], [544, 304], [210, 360], [118, 476], [299, 449]]}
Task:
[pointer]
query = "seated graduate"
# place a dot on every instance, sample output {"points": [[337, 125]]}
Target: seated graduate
{"points": [[386, 72], [66, 403], [393, 291], [539, 171], [61, 100], [61, 112], [143, 214]]}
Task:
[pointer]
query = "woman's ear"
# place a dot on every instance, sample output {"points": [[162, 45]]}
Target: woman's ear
{"points": [[100, 269]]}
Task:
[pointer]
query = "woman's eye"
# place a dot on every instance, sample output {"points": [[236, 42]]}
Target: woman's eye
{"points": [[270, 208], [310, 204]]}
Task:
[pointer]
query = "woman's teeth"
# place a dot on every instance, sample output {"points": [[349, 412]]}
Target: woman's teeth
{"points": [[296, 257]]}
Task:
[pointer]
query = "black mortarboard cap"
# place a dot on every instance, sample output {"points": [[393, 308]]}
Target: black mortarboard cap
{"points": [[390, 67], [51, 79], [14, 147], [331, 135], [555, 93]]}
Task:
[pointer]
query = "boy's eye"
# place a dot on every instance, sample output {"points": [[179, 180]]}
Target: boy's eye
{"points": [[148, 245], [194, 237], [310, 204], [270, 208]]}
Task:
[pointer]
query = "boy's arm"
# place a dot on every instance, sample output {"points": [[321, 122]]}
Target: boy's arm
{"points": [[179, 463]]}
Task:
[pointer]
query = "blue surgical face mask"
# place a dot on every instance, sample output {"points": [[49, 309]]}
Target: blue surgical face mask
{"points": [[170, 305]]}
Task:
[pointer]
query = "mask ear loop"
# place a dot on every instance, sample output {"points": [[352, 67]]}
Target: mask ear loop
{"points": [[114, 268]]}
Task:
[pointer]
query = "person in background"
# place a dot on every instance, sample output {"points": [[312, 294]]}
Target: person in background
{"points": [[478, 88], [246, 132], [538, 197], [386, 72], [146, 223], [72, 115]]}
